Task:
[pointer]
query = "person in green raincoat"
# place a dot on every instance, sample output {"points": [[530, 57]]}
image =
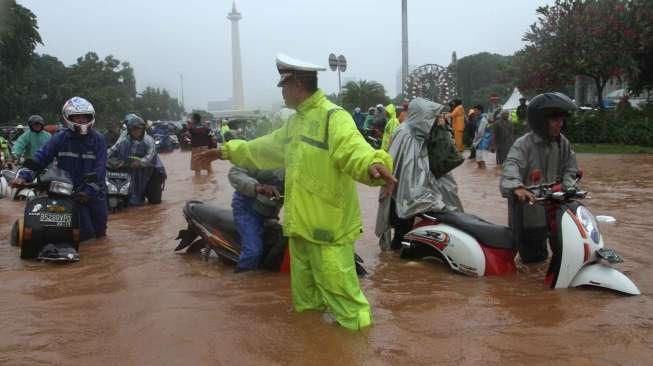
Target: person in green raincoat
{"points": [[31, 140], [324, 155], [390, 127]]}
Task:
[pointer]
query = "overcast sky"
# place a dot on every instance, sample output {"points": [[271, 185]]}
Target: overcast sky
{"points": [[165, 38]]}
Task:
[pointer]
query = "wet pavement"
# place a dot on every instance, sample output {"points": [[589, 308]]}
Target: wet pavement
{"points": [[132, 301]]}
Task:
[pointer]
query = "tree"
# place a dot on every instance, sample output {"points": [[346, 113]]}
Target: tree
{"points": [[108, 84], [18, 37], [642, 75], [592, 38], [155, 104], [481, 75], [363, 94]]}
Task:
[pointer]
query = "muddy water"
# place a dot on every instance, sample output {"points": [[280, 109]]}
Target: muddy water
{"points": [[131, 301]]}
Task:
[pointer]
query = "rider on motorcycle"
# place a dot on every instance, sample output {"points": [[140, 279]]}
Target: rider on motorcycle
{"points": [[418, 191], [138, 151], [256, 198], [546, 150], [31, 140], [81, 151]]}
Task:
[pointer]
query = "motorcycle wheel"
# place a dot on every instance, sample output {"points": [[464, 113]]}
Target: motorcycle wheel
{"points": [[16, 238]]}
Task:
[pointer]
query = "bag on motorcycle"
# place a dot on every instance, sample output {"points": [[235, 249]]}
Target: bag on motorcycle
{"points": [[443, 156]]}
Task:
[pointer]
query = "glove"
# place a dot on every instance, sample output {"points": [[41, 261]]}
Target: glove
{"points": [[81, 197]]}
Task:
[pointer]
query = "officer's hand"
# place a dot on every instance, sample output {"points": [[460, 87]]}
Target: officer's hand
{"points": [[524, 195], [378, 170], [17, 182], [136, 163], [268, 190], [207, 156], [81, 197]]}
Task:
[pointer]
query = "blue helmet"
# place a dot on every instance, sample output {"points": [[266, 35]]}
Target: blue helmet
{"points": [[132, 120]]}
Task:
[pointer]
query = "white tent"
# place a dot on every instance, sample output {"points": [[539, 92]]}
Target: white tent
{"points": [[513, 101]]}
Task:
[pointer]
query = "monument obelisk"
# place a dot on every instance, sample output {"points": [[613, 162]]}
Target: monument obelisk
{"points": [[238, 98]]}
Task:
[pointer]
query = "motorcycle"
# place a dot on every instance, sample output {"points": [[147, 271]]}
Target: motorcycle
{"points": [[211, 231], [49, 228], [118, 181], [475, 247], [17, 194]]}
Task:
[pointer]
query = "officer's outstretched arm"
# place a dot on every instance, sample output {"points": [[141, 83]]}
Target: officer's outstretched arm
{"points": [[351, 153], [265, 152]]}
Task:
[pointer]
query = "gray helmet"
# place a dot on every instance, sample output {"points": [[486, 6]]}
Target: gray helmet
{"points": [[34, 120], [545, 106]]}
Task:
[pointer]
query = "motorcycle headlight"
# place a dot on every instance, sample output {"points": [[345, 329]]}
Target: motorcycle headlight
{"points": [[111, 188], [61, 188], [589, 223], [125, 188], [157, 142]]}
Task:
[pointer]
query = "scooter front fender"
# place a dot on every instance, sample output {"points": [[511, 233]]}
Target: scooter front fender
{"points": [[602, 275]]}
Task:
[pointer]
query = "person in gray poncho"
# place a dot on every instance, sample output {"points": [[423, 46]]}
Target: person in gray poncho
{"points": [[546, 150], [418, 190]]}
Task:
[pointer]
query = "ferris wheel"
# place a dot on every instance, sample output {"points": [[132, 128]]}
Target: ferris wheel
{"points": [[432, 82]]}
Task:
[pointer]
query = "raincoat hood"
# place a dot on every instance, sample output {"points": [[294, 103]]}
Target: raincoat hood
{"points": [[421, 115], [391, 110]]}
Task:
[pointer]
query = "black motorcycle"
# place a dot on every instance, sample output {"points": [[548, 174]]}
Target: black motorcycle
{"points": [[118, 182], [49, 228], [211, 230]]}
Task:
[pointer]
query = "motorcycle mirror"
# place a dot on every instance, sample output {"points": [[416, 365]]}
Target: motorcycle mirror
{"points": [[536, 176]]}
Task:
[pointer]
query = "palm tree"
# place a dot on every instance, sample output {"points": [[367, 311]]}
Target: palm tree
{"points": [[363, 94]]}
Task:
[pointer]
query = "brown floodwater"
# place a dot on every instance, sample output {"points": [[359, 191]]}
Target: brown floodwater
{"points": [[132, 301]]}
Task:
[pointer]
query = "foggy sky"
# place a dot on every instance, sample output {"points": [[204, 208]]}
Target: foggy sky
{"points": [[165, 38]]}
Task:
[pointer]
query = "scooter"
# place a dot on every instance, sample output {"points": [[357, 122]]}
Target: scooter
{"points": [[211, 231], [17, 194], [118, 182], [49, 228], [476, 247]]}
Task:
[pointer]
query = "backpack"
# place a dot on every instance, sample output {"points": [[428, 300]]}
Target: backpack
{"points": [[443, 156]]}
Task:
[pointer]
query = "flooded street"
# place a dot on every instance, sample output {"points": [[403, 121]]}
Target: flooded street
{"points": [[132, 301]]}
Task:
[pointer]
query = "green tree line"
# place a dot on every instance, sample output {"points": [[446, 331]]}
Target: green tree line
{"points": [[31, 83]]}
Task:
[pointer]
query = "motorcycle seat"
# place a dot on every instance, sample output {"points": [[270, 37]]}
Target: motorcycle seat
{"points": [[214, 217], [490, 234]]}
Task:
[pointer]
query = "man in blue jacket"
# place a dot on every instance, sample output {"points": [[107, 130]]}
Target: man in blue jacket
{"points": [[138, 150], [81, 151]]}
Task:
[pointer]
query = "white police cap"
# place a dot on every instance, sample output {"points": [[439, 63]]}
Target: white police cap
{"points": [[289, 67]]}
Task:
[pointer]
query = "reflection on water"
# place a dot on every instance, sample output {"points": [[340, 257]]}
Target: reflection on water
{"points": [[131, 300]]}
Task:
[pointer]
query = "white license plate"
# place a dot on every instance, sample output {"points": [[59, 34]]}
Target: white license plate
{"points": [[56, 219]]}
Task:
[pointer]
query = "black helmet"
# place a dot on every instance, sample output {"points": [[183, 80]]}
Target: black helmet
{"points": [[547, 105], [35, 119]]}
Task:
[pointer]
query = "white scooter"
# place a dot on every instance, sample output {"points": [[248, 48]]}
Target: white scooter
{"points": [[19, 194], [476, 247]]}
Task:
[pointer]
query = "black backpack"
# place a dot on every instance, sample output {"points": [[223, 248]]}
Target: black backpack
{"points": [[443, 156]]}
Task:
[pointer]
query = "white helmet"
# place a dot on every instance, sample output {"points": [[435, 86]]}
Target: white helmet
{"points": [[77, 106]]}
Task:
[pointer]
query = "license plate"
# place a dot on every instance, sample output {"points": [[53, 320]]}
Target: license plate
{"points": [[56, 219]]}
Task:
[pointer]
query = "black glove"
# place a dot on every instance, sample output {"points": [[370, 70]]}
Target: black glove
{"points": [[81, 197]]}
